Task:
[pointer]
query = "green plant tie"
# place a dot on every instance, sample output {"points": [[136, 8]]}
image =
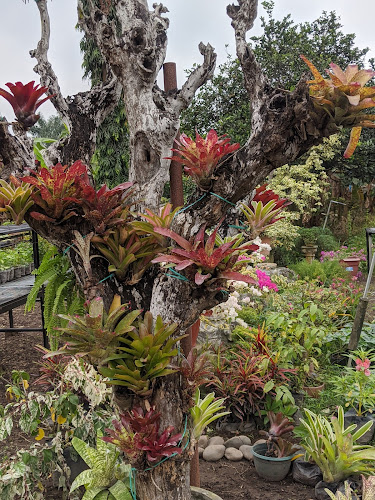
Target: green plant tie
{"points": [[133, 470], [221, 198], [84, 236], [133, 491], [67, 249], [177, 275], [238, 227], [189, 206], [106, 278]]}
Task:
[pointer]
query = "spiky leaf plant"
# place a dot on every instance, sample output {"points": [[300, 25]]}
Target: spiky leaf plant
{"points": [[205, 258], [96, 334], [333, 447], [205, 411], [105, 479], [144, 354], [15, 198]]}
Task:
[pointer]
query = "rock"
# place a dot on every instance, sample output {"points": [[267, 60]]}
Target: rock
{"points": [[230, 427], [201, 494], [203, 441], [289, 274], [245, 440], [247, 451], [260, 441], [234, 442], [214, 452], [248, 427], [233, 454], [216, 440], [200, 451]]}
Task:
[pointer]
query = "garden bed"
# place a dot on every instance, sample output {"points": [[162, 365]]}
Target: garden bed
{"points": [[232, 481]]}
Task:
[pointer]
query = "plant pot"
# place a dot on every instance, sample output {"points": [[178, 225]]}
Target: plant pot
{"points": [[351, 265], [75, 466], [11, 274], [309, 252], [270, 468], [4, 276], [201, 494], [17, 272], [351, 417], [320, 487], [313, 391], [306, 473]]}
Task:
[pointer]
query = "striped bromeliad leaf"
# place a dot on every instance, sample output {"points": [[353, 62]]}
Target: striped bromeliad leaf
{"points": [[207, 259]]}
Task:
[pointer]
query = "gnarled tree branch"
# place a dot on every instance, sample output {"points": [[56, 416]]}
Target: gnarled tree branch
{"points": [[83, 113]]}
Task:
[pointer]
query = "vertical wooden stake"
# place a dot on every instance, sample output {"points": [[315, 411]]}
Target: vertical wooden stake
{"points": [[177, 200]]}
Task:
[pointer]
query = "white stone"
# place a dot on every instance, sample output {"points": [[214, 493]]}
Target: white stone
{"points": [[234, 442], [245, 440], [233, 454], [247, 451], [214, 452], [216, 440], [203, 441]]}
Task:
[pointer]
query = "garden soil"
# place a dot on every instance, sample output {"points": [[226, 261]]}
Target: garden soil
{"points": [[229, 480]]}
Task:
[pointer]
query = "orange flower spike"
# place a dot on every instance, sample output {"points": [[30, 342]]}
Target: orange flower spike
{"points": [[353, 141], [318, 77]]}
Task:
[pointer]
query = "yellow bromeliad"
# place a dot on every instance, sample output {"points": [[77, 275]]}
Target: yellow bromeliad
{"points": [[345, 98]]}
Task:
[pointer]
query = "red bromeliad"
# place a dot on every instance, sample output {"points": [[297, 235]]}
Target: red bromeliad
{"points": [[137, 432], [103, 208], [200, 157], [263, 210], [57, 188], [344, 97], [209, 260], [25, 101]]}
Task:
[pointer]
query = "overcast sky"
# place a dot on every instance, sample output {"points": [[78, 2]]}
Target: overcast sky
{"points": [[191, 21]]}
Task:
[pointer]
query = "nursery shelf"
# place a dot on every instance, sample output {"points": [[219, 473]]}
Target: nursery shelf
{"points": [[14, 293]]}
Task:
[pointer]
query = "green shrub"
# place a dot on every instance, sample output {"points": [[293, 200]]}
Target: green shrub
{"points": [[327, 242], [324, 271], [251, 316]]}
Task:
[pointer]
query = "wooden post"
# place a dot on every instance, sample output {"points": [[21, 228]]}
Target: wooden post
{"points": [[177, 200]]}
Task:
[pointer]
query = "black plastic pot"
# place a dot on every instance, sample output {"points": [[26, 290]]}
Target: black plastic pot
{"points": [[270, 468], [306, 473], [320, 487], [75, 466], [351, 417]]}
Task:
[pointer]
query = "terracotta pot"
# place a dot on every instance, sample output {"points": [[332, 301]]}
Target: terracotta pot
{"points": [[351, 264], [313, 391]]}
